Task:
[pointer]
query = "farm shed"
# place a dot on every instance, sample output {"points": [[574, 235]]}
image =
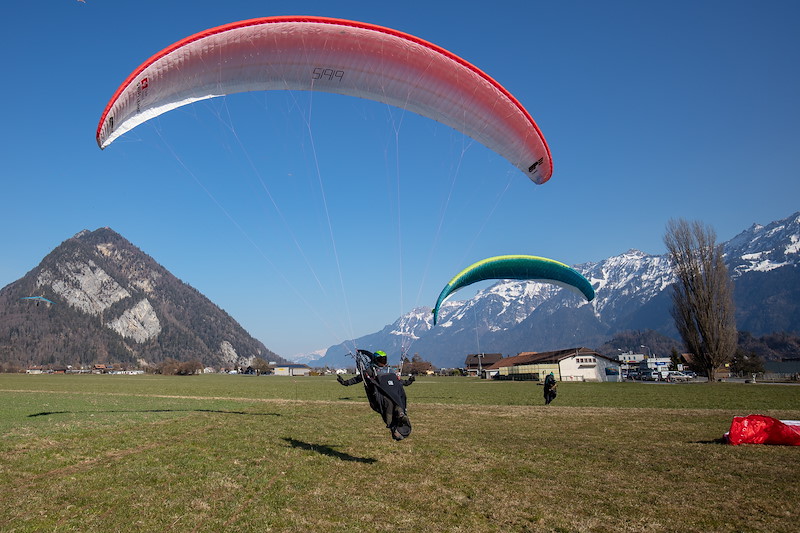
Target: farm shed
{"points": [[292, 370], [573, 364], [477, 363]]}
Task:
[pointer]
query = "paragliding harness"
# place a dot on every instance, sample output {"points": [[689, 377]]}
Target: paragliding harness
{"points": [[386, 385], [550, 389]]}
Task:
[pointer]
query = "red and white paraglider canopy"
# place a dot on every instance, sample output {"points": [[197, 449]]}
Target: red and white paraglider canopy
{"points": [[336, 56]]}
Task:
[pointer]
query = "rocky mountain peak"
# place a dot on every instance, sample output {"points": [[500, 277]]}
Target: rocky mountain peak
{"points": [[114, 303]]}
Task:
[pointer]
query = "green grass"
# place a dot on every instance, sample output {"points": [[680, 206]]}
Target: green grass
{"points": [[244, 453]]}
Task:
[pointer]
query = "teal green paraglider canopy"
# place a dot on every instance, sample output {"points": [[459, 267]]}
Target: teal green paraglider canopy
{"points": [[518, 267], [36, 299]]}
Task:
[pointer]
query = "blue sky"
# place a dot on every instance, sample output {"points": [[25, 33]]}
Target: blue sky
{"points": [[312, 219]]}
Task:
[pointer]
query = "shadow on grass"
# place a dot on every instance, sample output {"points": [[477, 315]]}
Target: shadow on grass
{"points": [[48, 413], [327, 450], [416, 397], [721, 440]]}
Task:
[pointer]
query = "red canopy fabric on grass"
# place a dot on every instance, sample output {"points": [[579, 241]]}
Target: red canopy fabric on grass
{"points": [[761, 429]]}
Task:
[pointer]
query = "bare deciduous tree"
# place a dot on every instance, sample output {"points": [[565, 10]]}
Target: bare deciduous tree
{"points": [[702, 295]]}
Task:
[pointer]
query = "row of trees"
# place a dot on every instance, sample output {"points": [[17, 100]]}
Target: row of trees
{"points": [[416, 366], [172, 367], [10, 368], [185, 368]]}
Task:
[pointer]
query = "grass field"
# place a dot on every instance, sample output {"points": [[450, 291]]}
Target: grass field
{"points": [[244, 453]]}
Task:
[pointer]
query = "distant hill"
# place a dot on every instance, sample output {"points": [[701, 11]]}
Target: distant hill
{"points": [[772, 347], [112, 303]]}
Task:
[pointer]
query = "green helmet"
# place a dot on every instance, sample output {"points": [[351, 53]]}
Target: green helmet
{"points": [[379, 357]]}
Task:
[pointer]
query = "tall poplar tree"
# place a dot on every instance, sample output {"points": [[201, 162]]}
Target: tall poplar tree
{"points": [[702, 294]]}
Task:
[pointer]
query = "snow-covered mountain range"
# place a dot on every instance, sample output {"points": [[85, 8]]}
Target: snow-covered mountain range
{"points": [[631, 293]]}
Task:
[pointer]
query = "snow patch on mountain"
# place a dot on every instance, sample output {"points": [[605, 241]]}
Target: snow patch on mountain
{"points": [[764, 248], [794, 246], [308, 357], [409, 326]]}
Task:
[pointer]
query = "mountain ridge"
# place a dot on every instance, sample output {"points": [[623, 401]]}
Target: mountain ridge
{"points": [[632, 293], [116, 304]]}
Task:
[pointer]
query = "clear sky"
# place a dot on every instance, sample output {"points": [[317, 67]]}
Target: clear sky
{"points": [[312, 219]]}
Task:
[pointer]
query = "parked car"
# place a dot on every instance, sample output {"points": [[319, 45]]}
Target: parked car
{"points": [[650, 375], [675, 376]]}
